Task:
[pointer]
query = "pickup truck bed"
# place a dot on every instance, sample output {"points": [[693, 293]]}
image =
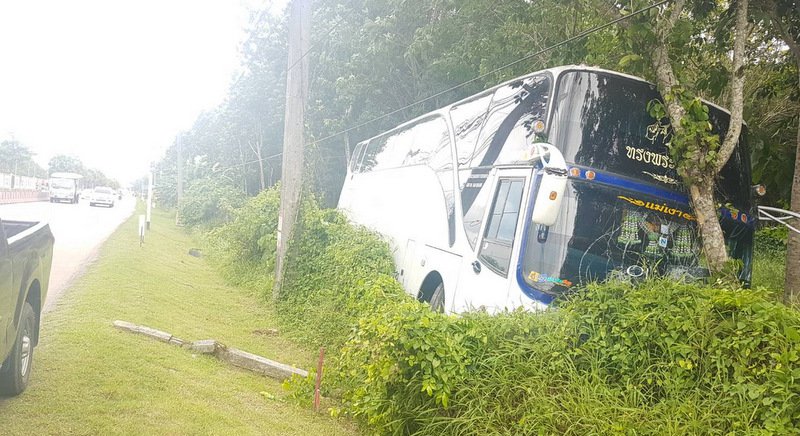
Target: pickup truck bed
{"points": [[26, 254], [13, 228]]}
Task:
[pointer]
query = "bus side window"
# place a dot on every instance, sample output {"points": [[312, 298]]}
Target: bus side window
{"points": [[474, 197], [388, 151], [358, 154], [514, 109], [498, 239], [468, 118]]}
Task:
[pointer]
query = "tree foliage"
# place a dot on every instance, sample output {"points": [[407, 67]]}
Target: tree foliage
{"points": [[370, 58], [16, 158], [373, 57], [71, 164]]}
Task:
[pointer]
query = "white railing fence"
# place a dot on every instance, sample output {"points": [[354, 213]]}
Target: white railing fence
{"points": [[21, 183], [782, 216]]}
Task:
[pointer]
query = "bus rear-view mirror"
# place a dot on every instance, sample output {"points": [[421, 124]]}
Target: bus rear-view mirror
{"points": [[553, 185]]}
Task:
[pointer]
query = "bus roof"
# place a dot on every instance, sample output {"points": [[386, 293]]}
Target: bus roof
{"points": [[555, 71]]}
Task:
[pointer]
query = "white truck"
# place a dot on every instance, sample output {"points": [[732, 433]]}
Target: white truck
{"points": [[65, 187]]}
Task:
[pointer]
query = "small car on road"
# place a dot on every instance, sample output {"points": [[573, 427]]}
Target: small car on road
{"points": [[102, 195]]}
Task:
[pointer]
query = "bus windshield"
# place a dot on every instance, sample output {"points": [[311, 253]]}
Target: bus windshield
{"points": [[602, 231], [600, 120], [642, 225], [62, 183]]}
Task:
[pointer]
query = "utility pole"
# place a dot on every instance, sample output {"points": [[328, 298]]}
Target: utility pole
{"points": [[292, 170], [149, 197], [346, 149], [179, 190]]}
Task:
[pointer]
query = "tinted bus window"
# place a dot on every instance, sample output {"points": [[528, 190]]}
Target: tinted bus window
{"points": [[601, 121], [431, 146], [507, 132], [501, 227], [468, 118], [358, 154], [387, 151], [473, 212]]}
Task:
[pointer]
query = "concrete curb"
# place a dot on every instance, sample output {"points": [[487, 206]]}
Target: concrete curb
{"points": [[239, 358]]}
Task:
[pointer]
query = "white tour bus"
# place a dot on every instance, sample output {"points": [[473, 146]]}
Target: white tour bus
{"points": [[512, 196]]}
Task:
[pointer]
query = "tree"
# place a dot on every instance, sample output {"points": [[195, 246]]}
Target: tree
{"points": [[16, 158], [772, 107], [785, 17], [700, 155], [373, 57], [65, 164]]}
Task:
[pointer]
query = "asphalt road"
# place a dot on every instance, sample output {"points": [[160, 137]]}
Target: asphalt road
{"points": [[79, 230]]}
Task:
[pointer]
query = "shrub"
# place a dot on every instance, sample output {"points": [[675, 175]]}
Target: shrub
{"points": [[772, 240], [244, 247], [658, 358], [663, 358], [209, 202], [336, 273]]}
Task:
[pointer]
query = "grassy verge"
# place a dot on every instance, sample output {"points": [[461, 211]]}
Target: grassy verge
{"points": [[91, 379]]}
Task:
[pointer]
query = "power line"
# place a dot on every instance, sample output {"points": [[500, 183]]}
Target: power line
{"points": [[510, 64], [247, 163]]}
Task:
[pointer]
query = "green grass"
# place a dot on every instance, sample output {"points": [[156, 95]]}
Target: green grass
{"points": [[89, 378], [769, 259], [769, 271]]}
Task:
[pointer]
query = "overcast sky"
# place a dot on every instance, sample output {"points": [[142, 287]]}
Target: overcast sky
{"points": [[112, 82]]}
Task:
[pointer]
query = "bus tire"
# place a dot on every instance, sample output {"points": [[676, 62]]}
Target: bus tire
{"points": [[437, 298]]}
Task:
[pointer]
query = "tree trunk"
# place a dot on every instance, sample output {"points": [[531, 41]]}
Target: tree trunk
{"points": [[792, 290], [701, 180], [243, 166], [705, 210], [261, 168]]}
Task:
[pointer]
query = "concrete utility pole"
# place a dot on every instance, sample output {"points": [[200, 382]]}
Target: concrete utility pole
{"points": [[179, 190], [296, 91], [149, 197]]}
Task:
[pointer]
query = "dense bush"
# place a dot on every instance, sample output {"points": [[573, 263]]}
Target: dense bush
{"points": [[209, 202], [244, 247], [772, 240], [336, 273], [663, 358], [660, 358]]}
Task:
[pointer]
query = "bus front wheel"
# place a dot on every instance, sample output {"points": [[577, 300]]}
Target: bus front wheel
{"points": [[437, 299]]}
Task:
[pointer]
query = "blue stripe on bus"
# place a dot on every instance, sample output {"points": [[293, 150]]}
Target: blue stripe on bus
{"points": [[621, 182], [625, 183]]}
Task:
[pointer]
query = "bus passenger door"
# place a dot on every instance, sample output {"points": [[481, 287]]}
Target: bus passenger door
{"points": [[488, 274], [410, 266]]}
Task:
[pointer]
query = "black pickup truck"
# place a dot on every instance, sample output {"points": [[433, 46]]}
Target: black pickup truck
{"points": [[26, 253]]}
